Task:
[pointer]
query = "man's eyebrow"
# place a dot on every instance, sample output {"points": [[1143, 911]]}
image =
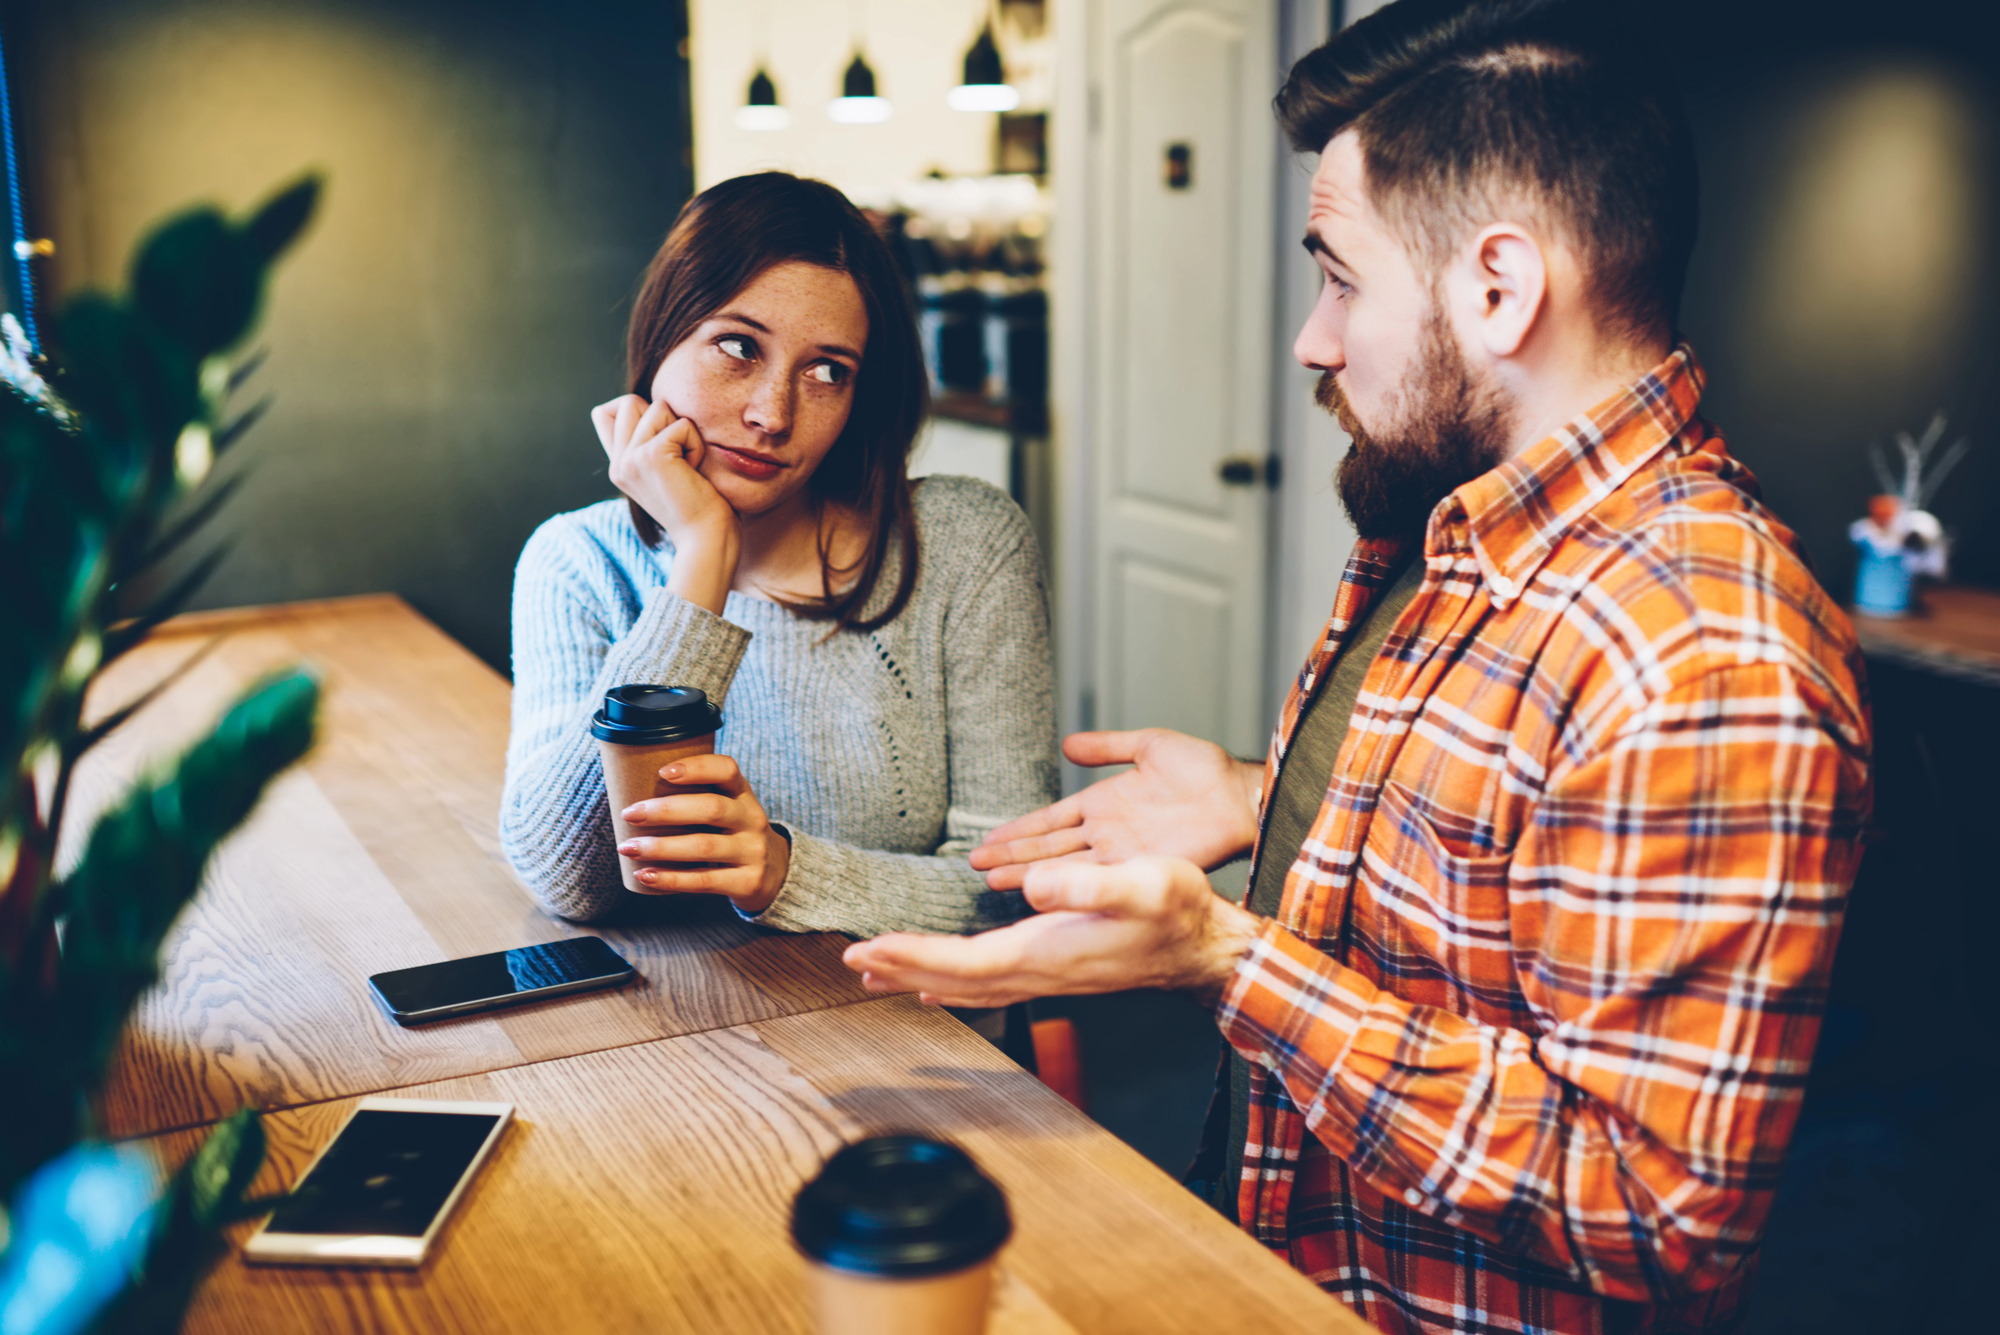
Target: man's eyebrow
{"points": [[1315, 246], [837, 349]]}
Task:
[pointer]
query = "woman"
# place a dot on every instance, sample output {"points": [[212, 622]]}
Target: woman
{"points": [[880, 649]]}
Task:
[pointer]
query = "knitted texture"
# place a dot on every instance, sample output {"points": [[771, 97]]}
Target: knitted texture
{"points": [[883, 755]]}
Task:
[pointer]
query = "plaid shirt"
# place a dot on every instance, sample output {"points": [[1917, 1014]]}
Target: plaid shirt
{"points": [[1549, 967]]}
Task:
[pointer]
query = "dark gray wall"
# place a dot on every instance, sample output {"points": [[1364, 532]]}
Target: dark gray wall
{"points": [[1845, 286], [499, 173]]}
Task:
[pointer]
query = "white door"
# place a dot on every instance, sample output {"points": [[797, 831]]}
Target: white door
{"points": [[1182, 191]]}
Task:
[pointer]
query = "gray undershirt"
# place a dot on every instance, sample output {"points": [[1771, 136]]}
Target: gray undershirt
{"points": [[1303, 778]]}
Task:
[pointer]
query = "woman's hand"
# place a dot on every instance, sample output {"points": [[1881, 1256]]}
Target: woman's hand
{"points": [[747, 859], [655, 460]]}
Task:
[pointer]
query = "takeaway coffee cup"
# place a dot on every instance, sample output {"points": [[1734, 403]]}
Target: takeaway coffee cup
{"points": [[639, 730], [901, 1231]]}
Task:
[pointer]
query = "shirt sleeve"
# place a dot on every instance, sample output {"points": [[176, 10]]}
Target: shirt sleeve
{"points": [[555, 824], [1674, 905], [1001, 748]]}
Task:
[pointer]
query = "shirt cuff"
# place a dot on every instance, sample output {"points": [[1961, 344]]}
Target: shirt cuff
{"points": [[1294, 1011]]}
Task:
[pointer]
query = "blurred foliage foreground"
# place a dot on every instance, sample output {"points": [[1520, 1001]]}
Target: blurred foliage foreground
{"points": [[105, 447]]}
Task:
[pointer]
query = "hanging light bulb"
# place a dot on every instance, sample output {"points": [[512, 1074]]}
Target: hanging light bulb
{"points": [[985, 87], [760, 110], [857, 103]]}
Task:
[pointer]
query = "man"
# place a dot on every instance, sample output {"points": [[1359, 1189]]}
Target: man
{"points": [[1552, 846]]}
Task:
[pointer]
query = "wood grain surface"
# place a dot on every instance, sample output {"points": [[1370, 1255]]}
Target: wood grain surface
{"points": [[1951, 629], [648, 1188], [381, 852]]}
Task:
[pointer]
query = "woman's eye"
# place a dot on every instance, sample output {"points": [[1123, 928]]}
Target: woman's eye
{"points": [[736, 346], [828, 373]]}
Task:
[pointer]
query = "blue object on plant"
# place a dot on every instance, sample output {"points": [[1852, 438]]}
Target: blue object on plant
{"points": [[80, 1227]]}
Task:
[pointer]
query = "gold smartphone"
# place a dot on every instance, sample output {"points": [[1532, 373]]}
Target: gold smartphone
{"points": [[382, 1188]]}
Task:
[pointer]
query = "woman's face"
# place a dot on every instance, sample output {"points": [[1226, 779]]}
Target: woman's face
{"points": [[768, 381]]}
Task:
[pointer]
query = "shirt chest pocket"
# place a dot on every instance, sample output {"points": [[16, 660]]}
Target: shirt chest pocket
{"points": [[1433, 906]]}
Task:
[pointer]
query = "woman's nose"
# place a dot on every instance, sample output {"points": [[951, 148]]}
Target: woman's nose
{"points": [[770, 407]]}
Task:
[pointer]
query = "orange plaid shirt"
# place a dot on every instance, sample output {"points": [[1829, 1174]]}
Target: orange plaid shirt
{"points": [[1549, 967]]}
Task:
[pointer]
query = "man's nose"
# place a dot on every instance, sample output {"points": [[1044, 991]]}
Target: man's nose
{"points": [[1318, 346]]}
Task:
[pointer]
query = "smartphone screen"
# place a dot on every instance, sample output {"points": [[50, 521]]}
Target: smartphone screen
{"points": [[480, 982], [386, 1174]]}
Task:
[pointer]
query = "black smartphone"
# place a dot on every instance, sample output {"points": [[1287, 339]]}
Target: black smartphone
{"points": [[379, 1192], [504, 978]]}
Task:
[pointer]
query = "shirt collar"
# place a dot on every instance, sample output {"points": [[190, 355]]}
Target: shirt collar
{"points": [[1514, 515]]}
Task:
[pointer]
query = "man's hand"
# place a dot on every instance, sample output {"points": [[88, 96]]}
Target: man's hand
{"points": [[1187, 799], [1150, 922]]}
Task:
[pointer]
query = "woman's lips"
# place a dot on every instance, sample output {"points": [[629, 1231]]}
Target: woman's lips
{"points": [[752, 466]]}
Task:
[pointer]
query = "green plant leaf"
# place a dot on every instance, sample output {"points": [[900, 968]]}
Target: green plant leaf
{"points": [[142, 864], [198, 281], [278, 223]]}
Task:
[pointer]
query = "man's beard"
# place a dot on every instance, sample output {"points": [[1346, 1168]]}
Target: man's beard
{"points": [[1443, 431]]}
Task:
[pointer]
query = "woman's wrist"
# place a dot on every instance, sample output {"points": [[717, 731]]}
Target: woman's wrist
{"points": [[777, 866], [704, 568]]}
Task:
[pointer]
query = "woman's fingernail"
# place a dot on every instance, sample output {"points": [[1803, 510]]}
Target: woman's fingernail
{"points": [[630, 850], [649, 876], [673, 773]]}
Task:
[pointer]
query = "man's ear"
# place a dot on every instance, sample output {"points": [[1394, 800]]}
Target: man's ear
{"points": [[1499, 288]]}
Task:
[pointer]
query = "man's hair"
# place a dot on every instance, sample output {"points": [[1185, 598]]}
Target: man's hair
{"points": [[1466, 112]]}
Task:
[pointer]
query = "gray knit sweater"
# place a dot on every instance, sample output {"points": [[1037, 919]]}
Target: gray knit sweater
{"points": [[883, 755]]}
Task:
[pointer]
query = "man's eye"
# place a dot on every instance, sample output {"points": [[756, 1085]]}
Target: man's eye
{"points": [[828, 373], [736, 346]]}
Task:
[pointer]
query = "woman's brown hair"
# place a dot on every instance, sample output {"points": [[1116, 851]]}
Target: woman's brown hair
{"points": [[725, 237]]}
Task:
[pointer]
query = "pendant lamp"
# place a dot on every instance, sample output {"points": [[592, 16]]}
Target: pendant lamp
{"points": [[761, 109], [857, 103], [985, 87]]}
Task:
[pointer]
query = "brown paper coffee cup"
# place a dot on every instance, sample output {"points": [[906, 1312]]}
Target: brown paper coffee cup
{"points": [[640, 730], [901, 1231], [632, 774], [951, 1304]]}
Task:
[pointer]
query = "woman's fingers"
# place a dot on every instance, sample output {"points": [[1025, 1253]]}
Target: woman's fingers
{"points": [[714, 809], [685, 438], [604, 417], [729, 849], [710, 771], [736, 882]]}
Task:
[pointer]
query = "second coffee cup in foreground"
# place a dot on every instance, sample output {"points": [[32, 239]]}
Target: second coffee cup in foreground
{"points": [[902, 1231], [639, 730]]}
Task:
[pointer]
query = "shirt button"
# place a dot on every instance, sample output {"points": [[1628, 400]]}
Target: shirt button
{"points": [[1413, 1197], [1503, 586]]}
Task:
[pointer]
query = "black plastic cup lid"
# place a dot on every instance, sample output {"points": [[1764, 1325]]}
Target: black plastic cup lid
{"points": [[900, 1207], [642, 715]]}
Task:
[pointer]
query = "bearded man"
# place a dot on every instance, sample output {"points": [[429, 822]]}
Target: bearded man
{"points": [[1553, 843]]}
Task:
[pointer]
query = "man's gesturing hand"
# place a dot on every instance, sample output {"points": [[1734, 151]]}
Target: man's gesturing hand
{"points": [[1150, 922], [1187, 799]]}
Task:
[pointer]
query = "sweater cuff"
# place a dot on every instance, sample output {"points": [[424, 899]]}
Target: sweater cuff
{"points": [[674, 638], [812, 863]]}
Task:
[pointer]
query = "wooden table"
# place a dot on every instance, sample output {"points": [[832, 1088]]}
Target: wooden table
{"points": [[1952, 629], [662, 1129]]}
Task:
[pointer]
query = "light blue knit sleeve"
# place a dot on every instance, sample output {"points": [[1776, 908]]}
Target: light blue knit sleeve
{"points": [[583, 622]]}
